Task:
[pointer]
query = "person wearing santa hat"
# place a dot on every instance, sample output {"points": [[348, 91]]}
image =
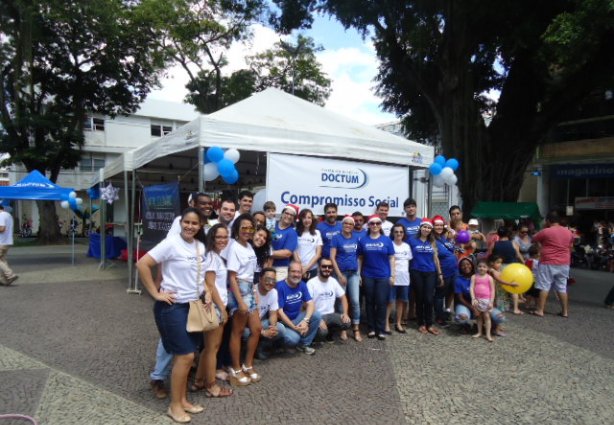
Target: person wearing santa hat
{"points": [[285, 241], [426, 274], [444, 295]]}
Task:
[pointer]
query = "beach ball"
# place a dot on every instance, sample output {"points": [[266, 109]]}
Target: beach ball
{"points": [[520, 274]]}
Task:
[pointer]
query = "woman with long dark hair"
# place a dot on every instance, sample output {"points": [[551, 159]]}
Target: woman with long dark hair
{"points": [[309, 249]]}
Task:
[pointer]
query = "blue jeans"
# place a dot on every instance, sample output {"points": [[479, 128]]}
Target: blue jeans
{"points": [[377, 290], [292, 338], [424, 288], [353, 293], [464, 315], [164, 362]]}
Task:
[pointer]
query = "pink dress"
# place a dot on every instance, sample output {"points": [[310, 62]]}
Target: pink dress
{"points": [[482, 291]]}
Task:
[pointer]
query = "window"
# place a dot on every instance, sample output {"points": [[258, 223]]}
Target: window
{"points": [[88, 163], [158, 130], [93, 124]]}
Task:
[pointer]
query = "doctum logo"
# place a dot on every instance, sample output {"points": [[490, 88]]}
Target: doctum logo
{"points": [[343, 178]]}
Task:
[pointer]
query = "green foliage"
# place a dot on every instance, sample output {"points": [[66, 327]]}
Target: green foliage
{"points": [[292, 67], [62, 59], [439, 59]]}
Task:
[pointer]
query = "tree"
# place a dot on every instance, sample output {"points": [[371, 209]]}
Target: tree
{"points": [[63, 59], [439, 59], [292, 67]]}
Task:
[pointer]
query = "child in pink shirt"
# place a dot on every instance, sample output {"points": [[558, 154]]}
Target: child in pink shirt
{"points": [[482, 298]]}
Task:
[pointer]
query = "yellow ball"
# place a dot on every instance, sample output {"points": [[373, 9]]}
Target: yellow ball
{"points": [[520, 274]]}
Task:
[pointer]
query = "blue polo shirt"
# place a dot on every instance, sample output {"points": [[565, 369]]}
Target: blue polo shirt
{"points": [[291, 299], [376, 256], [422, 252], [328, 231], [284, 239], [411, 227], [347, 251]]}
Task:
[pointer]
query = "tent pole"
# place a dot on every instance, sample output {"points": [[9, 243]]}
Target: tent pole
{"points": [[131, 270], [201, 171]]}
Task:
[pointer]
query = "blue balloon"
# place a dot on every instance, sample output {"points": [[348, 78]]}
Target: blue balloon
{"points": [[452, 163], [435, 168], [225, 167], [441, 160], [72, 202], [233, 178], [215, 154]]}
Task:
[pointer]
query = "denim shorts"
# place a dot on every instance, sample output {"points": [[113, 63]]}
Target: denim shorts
{"points": [[171, 320], [400, 293], [247, 293]]}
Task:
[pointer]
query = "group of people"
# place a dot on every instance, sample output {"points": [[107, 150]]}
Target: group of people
{"points": [[280, 284]]}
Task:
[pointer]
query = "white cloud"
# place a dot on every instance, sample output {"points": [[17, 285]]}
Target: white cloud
{"points": [[351, 69]]}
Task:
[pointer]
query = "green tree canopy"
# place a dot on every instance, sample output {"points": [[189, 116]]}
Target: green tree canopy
{"points": [[292, 67], [438, 59]]}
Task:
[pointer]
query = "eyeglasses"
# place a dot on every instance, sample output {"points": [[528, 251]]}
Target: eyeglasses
{"points": [[288, 213], [375, 223], [398, 232], [268, 280], [247, 229], [326, 266]]}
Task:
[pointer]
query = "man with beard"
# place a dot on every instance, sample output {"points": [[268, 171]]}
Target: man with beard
{"points": [[325, 290], [301, 323]]}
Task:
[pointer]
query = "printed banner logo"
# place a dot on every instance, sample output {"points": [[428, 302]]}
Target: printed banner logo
{"points": [[339, 178]]}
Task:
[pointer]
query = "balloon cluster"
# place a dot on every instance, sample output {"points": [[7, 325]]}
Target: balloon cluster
{"points": [[443, 170], [109, 194], [221, 164], [73, 202]]}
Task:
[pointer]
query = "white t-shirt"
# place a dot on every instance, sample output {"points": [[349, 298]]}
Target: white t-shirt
{"points": [[6, 220], [180, 267], [307, 244], [402, 257], [242, 260], [214, 263], [267, 303], [387, 227], [324, 294]]}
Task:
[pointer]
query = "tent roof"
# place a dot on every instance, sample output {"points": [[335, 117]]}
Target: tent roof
{"points": [[507, 210], [275, 121], [35, 186]]}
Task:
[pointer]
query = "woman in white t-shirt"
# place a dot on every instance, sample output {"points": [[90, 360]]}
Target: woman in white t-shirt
{"points": [[241, 264], [216, 281], [309, 249], [181, 257], [399, 292]]}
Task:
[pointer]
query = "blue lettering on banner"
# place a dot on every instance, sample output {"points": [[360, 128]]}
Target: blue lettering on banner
{"points": [[582, 171], [344, 178], [313, 201]]}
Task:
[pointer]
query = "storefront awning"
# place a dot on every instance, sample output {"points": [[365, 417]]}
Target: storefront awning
{"points": [[507, 211]]}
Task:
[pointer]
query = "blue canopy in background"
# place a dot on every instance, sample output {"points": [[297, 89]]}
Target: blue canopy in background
{"points": [[35, 187]]}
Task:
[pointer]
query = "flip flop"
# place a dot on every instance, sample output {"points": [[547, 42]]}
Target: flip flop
{"points": [[563, 316], [422, 330]]}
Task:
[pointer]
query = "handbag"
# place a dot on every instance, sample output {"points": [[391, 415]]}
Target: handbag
{"points": [[201, 317]]}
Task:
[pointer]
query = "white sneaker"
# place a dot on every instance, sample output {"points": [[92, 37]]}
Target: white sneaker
{"points": [[306, 349]]}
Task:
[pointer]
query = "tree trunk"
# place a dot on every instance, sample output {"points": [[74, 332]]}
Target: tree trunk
{"points": [[49, 231]]}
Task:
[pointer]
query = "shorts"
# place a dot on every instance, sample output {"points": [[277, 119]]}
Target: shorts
{"points": [[549, 274], [247, 294], [400, 293], [483, 304], [171, 320]]}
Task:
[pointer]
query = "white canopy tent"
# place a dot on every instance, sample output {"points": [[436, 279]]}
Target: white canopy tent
{"points": [[268, 121]]}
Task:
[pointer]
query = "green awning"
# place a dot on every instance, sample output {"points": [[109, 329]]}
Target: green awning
{"points": [[508, 211]]}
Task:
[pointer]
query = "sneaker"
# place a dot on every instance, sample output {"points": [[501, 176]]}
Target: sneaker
{"points": [[158, 388], [306, 349]]}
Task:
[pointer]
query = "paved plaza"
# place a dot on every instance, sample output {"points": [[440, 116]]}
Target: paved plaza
{"points": [[75, 348]]}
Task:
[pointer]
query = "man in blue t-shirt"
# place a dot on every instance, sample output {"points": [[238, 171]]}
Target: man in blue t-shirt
{"points": [[411, 222], [301, 325], [329, 228], [285, 241]]}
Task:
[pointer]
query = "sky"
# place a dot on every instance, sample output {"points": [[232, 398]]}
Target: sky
{"points": [[349, 62]]}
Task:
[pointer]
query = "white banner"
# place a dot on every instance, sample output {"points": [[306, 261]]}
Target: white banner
{"points": [[353, 186]]}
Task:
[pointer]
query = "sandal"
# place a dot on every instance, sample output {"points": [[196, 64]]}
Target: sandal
{"points": [[422, 330], [433, 330], [237, 377], [251, 373], [357, 336], [195, 387], [216, 391]]}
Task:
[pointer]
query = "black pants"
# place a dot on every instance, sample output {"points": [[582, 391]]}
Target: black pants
{"points": [[424, 287]]}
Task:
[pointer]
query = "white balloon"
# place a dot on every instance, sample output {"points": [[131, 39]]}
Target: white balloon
{"points": [[79, 201], [438, 181], [72, 195], [452, 180], [232, 155], [64, 204], [259, 200], [446, 173], [210, 171]]}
